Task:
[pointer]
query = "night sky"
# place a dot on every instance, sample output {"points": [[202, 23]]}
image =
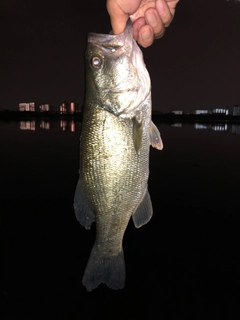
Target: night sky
{"points": [[195, 65]]}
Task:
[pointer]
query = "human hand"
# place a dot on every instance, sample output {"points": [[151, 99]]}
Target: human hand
{"points": [[149, 17]]}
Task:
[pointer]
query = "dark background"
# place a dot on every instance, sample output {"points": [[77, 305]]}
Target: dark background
{"points": [[195, 65], [184, 264]]}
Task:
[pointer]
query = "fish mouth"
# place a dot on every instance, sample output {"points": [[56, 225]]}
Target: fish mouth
{"points": [[111, 40]]}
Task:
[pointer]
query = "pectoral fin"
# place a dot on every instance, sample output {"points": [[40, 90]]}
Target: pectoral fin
{"points": [[155, 137], [144, 212], [83, 212], [137, 134]]}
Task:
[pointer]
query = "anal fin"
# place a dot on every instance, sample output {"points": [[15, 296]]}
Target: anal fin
{"points": [[144, 211], [83, 212]]}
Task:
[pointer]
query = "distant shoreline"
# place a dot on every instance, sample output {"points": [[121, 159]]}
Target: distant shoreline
{"points": [[158, 117]]}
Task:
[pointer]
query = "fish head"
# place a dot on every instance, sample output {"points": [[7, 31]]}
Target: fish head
{"points": [[116, 76]]}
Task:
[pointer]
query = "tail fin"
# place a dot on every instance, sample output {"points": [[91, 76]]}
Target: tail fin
{"points": [[104, 269]]}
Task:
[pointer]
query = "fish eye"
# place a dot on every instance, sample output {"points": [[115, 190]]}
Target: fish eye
{"points": [[96, 62]]}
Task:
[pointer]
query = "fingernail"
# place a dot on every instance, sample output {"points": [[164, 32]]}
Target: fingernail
{"points": [[151, 19], [146, 35]]}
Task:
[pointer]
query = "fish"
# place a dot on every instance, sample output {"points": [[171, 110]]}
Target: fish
{"points": [[115, 139]]}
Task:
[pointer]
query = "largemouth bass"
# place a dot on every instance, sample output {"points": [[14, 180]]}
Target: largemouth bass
{"points": [[117, 132]]}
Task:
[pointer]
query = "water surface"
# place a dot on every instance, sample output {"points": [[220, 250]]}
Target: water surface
{"points": [[183, 264]]}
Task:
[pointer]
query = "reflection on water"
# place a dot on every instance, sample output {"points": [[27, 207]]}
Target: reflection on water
{"points": [[28, 125], [188, 246], [70, 125], [32, 125], [199, 126], [73, 126], [177, 125], [45, 125], [235, 129], [220, 127], [192, 153], [215, 127]]}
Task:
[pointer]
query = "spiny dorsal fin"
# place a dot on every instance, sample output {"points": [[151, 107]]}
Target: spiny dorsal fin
{"points": [[137, 134], [155, 137]]}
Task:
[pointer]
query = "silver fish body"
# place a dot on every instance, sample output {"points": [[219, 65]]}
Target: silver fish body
{"points": [[114, 152]]}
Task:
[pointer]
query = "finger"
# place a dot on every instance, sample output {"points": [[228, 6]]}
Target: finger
{"points": [[164, 12], [152, 19], [118, 25], [119, 12], [118, 17], [146, 36], [137, 25], [172, 6]]}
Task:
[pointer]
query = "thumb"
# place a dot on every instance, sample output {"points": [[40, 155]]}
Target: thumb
{"points": [[117, 16]]}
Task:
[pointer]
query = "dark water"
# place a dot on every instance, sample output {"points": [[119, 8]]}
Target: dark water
{"points": [[182, 265]]}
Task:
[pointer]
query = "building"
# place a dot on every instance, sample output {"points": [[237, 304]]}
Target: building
{"points": [[27, 106], [63, 108], [178, 112], [72, 107], [68, 108], [236, 110], [221, 111], [44, 107], [201, 112]]}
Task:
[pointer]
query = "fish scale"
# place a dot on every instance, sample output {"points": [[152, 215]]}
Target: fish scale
{"points": [[114, 152]]}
